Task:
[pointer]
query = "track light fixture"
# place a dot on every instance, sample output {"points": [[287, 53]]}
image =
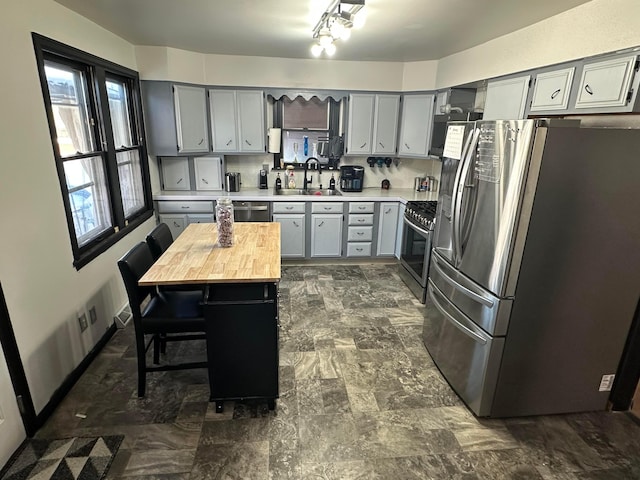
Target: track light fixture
{"points": [[336, 24]]}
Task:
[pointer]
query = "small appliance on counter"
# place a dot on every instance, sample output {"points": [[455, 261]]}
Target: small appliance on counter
{"points": [[351, 178], [262, 179], [232, 181]]}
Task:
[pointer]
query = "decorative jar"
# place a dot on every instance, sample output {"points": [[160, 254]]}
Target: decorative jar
{"points": [[224, 220]]}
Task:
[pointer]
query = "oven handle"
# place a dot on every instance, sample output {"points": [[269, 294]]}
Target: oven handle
{"points": [[456, 323], [415, 227], [473, 295]]}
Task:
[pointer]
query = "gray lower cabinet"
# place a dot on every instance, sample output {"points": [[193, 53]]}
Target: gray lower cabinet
{"points": [[360, 229], [292, 219], [178, 214], [326, 229], [387, 228]]}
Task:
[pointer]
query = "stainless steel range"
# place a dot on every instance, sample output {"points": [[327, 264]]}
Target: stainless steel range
{"points": [[419, 222]]}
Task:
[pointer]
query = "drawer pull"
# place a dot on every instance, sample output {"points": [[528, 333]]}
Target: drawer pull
{"points": [[361, 220], [186, 207], [360, 233], [361, 207]]}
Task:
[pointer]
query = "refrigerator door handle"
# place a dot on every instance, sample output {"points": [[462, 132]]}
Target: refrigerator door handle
{"points": [[467, 330], [487, 302], [461, 176]]}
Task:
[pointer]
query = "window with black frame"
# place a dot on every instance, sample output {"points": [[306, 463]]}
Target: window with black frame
{"points": [[95, 120]]}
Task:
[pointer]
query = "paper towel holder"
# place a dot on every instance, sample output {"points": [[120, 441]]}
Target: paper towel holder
{"points": [[274, 140]]}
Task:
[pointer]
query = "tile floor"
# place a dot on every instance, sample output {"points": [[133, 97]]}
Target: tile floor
{"points": [[360, 398]]}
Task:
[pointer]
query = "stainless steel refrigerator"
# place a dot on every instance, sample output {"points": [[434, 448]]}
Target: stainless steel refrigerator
{"points": [[535, 268]]}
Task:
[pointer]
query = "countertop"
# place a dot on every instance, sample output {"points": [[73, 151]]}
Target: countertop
{"points": [[374, 194], [253, 257]]}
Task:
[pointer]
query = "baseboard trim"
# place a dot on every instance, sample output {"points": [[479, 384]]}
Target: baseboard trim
{"points": [[72, 378]]}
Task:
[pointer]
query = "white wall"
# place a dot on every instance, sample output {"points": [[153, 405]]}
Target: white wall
{"points": [[596, 27], [44, 292]]}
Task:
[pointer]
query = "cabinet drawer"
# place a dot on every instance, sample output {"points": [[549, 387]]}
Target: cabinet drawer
{"points": [[173, 206], [359, 249], [360, 234], [326, 207], [288, 207], [361, 207], [361, 219]]}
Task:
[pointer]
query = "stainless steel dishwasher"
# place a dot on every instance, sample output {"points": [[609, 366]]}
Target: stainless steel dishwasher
{"points": [[251, 211]]}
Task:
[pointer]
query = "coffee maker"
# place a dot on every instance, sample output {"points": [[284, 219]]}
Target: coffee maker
{"points": [[351, 178], [262, 179]]}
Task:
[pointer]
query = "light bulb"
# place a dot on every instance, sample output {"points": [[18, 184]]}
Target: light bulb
{"points": [[337, 29], [316, 50], [330, 49], [346, 34]]}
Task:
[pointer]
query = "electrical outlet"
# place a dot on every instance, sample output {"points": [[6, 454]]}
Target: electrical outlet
{"points": [[93, 316], [82, 320]]}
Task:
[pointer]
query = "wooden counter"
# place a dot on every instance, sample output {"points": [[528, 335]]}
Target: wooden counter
{"points": [[195, 258]]}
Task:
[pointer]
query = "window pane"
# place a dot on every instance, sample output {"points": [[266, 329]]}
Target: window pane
{"points": [[120, 115], [68, 93], [88, 197], [130, 174]]}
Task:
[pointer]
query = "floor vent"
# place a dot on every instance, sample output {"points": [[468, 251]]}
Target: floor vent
{"points": [[123, 317]]}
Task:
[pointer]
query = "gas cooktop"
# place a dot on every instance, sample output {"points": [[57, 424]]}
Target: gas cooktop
{"points": [[421, 213]]}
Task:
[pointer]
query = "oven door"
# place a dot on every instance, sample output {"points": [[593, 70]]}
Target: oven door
{"points": [[416, 247]]}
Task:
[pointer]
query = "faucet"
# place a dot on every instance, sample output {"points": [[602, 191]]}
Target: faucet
{"points": [[306, 182]]}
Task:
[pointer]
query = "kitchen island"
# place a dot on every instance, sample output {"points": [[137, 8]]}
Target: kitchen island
{"points": [[240, 303]]}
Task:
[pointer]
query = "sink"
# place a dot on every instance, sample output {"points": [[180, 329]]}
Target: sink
{"points": [[310, 191], [322, 192]]}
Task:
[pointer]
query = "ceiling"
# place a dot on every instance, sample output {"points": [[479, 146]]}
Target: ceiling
{"points": [[395, 30]]}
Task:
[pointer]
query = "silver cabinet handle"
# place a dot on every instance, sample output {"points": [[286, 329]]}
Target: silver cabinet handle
{"points": [[387, 211], [587, 89], [295, 224], [185, 207], [204, 180], [362, 208], [361, 220], [201, 141], [381, 144], [555, 94], [178, 181], [360, 233], [327, 208], [229, 142], [247, 142], [321, 223], [363, 145], [289, 208], [359, 249], [407, 146]]}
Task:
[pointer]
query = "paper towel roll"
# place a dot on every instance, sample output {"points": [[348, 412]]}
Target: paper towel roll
{"points": [[274, 140]]}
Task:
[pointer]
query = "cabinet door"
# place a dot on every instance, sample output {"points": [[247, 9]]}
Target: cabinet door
{"points": [[387, 228], [360, 126], [385, 125], [191, 118], [415, 126], [175, 173], [208, 173], [224, 134], [326, 235], [506, 99], [606, 83], [292, 234], [251, 130], [176, 223], [551, 90]]}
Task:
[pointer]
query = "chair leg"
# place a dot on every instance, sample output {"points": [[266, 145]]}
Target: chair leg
{"points": [[163, 343], [142, 364], [157, 346]]}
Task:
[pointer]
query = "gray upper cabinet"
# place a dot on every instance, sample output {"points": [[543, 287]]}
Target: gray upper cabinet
{"points": [[237, 121], [606, 84], [372, 124], [385, 124], [551, 90], [360, 124], [506, 99], [175, 173], [415, 125], [192, 129], [175, 118]]}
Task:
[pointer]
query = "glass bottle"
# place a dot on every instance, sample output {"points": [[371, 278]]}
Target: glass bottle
{"points": [[278, 182], [224, 220]]}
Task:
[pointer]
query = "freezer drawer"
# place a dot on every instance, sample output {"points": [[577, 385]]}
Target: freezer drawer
{"points": [[467, 356], [487, 311]]}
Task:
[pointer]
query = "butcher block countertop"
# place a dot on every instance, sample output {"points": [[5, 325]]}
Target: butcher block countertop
{"points": [[196, 258]]}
